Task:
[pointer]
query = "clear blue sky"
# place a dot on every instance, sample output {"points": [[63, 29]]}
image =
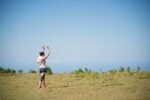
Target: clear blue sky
{"points": [[80, 33]]}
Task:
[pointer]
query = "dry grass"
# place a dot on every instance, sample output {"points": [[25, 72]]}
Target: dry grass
{"points": [[91, 86]]}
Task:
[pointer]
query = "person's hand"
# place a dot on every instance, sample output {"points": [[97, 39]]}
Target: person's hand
{"points": [[47, 47]]}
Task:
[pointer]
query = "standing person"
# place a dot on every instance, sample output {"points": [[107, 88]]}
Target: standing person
{"points": [[42, 64]]}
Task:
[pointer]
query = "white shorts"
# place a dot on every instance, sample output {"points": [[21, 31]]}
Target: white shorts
{"points": [[42, 66]]}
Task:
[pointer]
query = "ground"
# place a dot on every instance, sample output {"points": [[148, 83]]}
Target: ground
{"points": [[94, 86]]}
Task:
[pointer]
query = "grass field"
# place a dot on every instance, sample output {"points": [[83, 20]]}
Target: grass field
{"points": [[93, 86]]}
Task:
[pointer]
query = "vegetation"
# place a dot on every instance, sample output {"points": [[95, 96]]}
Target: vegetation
{"points": [[121, 69], [49, 70], [92, 86], [82, 84], [12, 71], [80, 70], [20, 71], [113, 71], [32, 71], [7, 70], [128, 69], [138, 69]]}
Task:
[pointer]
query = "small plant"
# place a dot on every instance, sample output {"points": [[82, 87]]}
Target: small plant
{"points": [[121, 69], [129, 69], [138, 69], [95, 75], [113, 71], [144, 75], [86, 70], [82, 73]]}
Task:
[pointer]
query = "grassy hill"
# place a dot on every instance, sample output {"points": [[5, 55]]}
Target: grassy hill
{"points": [[82, 86]]}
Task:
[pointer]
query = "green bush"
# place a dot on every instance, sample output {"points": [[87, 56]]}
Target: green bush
{"points": [[13, 71], [121, 69], [32, 71], [113, 71], [138, 69], [85, 70], [8, 70], [2, 70], [129, 69], [49, 70], [20, 71], [79, 71]]}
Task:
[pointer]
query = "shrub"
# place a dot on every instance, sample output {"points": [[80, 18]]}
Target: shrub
{"points": [[32, 71], [121, 69], [138, 69], [20, 71], [49, 70], [87, 70], [113, 71], [129, 69], [13, 71], [79, 71], [8, 70], [2, 70]]}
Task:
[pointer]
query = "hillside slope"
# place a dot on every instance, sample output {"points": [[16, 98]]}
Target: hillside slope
{"points": [[92, 86]]}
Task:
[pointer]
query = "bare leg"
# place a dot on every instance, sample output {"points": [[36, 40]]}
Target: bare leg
{"points": [[40, 83], [44, 81], [41, 80]]}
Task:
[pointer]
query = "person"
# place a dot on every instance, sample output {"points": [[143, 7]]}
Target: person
{"points": [[42, 64]]}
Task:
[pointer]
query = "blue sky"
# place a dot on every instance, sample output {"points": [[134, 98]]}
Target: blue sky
{"points": [[80, 33]]}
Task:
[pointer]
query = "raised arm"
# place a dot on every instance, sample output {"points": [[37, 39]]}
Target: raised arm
{"points": [[43, 49], [48, 53]]}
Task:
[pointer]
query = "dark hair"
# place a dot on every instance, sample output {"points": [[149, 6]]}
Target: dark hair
{"points": [[42, 53]]}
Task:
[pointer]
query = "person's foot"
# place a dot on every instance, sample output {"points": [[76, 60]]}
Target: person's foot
{"points": [[39, 87], [40, 83], [45, 86]]}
